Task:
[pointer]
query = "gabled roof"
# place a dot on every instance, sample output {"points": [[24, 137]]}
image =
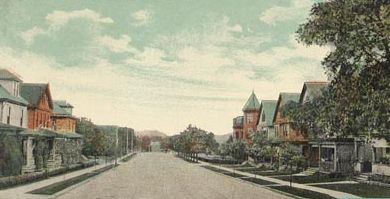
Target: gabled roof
{"points": [[314, 88], [8, 75], [6, 96], [57, 110], [34, 92], [63, 103], [268, 107], [252, 104], [283, 99]]}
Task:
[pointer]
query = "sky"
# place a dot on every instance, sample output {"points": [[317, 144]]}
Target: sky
{"points": [[161, 65]]}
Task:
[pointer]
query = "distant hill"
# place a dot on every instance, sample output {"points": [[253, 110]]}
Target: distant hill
{"points": [[151, 133], [222, 138]]}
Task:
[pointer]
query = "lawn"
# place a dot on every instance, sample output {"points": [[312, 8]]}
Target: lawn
{"points": [[302, 192], [258, 181], [362, 190], [59, 186], [228, 173], [271, 173], [311, 179]]}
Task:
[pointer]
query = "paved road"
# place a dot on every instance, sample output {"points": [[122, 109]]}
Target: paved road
{"points": [[159, 175]]}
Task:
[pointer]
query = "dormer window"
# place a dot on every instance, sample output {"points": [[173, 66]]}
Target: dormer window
{"points": [[263, 117]]}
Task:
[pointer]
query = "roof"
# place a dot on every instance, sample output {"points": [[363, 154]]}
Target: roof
{"points": [[59, 110], [4, 126], [8, 75], [34, 92], [63, 103], [6, 96], [252, 104], [314, 88], [268, 106], [283, 99]]}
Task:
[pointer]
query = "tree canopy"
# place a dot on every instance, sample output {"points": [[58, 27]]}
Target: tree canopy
{"points": [[358, 32]]}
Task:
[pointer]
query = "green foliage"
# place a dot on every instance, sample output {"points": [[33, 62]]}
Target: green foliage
{"points": [[357, 101], [95, 142], [291, 155], [11, 159], [195, 140]]}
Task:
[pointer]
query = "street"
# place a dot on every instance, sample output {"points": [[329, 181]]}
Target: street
{"points": [[159, 175]]}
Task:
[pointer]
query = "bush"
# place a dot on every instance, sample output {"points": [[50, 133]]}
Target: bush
{"points": [[11, 159]]}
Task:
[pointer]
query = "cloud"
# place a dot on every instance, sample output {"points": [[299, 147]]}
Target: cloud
{"points": [[29, 35], [60, 18], [298, 8], [118, 45], [141, 18]]}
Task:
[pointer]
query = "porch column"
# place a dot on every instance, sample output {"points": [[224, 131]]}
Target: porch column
{"points": [[335, 158]]}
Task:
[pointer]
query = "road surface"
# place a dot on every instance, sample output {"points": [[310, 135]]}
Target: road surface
{"points": [[159, 175]]}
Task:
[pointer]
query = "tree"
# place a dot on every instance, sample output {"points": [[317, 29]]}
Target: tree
{"points": [[195, 140], [358, 65], [94, 139], [11, 159]]}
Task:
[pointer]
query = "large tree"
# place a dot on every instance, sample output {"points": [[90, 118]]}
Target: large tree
{"points": [[358, 32]]}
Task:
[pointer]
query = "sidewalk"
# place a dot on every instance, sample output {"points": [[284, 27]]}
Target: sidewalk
{"points": [[20, 192], [332, 193]]}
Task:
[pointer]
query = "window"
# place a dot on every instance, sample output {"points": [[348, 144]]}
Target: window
{"points": [[9, 115], [249, 118], [263, 117], [387, 150]]}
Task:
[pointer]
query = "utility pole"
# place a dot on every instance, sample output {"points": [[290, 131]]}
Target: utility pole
{"points": [[116, 146], [127, 140]]}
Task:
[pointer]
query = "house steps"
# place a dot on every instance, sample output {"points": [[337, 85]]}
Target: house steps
{"points": [[362, 177]]}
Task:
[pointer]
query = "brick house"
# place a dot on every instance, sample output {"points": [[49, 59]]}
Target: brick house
{"points": [[40, 108], [251, 116], [63, 120], [267, 112], [282, 125], [238, 123]]}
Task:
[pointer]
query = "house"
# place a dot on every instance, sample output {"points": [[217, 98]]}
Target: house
{"points": [[40, 108], [283, 128], [312, 89], [251, 111], [62, 118], [381, 156], [238, 125], [267, 112], [13, 108], [14, 115]]}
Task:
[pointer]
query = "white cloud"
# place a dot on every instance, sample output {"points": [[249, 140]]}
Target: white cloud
{"points": [[141, 18], [116, 45], [29, 35], [60, 18], [298, 8]]}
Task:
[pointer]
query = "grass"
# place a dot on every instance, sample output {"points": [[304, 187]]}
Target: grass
{"points": [[228, 173], [361, 189], [271, 173], [258, 181], [59, 186], [311, 179], [302, 192]]}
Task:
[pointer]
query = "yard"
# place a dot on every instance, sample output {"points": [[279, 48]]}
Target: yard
{"points": [[362, 190], [312, 178]]}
